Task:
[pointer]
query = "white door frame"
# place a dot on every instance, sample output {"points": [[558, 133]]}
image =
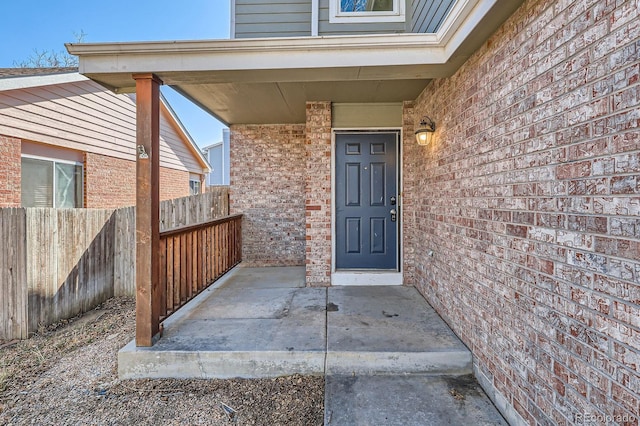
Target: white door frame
{"points": [[369, 277]]}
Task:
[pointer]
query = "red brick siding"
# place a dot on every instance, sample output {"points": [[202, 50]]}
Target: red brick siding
{"points": [[173, 183], [10, 169], [530, 200], [318, 193], [111, 182], [268, 186]]}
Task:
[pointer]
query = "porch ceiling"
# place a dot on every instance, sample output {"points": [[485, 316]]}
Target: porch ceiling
{"points": [[269, 80]]}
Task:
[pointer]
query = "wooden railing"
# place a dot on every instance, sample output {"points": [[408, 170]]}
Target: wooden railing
{"points": [[193, 257]]}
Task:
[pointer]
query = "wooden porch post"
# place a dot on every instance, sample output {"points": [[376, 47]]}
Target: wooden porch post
{"points": [[147, 208]]}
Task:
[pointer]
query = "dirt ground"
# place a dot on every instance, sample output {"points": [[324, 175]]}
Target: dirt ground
{"points": [[66, 374]]}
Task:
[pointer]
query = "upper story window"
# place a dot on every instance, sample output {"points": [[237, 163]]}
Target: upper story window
{"points": [[51, 183], [355, 11]]}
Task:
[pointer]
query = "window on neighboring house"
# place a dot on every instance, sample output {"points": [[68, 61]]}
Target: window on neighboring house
{"points": [[366, 11], [194, 186], [51, 183]]}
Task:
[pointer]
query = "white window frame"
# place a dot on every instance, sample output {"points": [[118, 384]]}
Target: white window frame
{"points": [[338, 17], [193, 179], [54, 161]]}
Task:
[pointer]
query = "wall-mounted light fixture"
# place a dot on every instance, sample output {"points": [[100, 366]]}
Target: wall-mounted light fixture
{"points": [[424, 133], [142, 154]]}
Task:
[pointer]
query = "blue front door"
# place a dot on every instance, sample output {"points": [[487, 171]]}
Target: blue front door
{"points": [[366, 203]]}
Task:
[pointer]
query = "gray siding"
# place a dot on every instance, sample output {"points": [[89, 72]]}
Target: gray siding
{"points": [[292, 18], [219, 159], [268, 18], [427, 15], [214, 155], [327, 28]]}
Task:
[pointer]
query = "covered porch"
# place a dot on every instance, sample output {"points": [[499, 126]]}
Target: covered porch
{"points": [[287, 102], [264, 322], [384, 351]]}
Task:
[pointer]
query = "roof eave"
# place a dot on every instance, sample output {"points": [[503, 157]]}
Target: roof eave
{"points": [[267, 80], [37, 80], [371, 50]]}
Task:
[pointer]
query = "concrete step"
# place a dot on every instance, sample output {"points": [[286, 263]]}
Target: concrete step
{"points": [[270, 329], [389, 330]]}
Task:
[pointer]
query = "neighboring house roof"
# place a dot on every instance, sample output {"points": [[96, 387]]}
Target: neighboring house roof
{"points": [[268, 80], [14, 72], [42, 104], [213, 145]]}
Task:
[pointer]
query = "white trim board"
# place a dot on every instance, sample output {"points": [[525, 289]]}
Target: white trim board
{"points": [[315, 20], [368, 278], [37, 80]]}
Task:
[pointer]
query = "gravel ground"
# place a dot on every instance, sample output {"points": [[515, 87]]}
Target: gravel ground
{"points": [[67, 375]]}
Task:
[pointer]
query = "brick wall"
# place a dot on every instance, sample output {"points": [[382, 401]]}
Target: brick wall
{"points": [[111, 182], [173, 183], [268, 185], [530, 200], [410, 211], [10, 149], [318, 193]]}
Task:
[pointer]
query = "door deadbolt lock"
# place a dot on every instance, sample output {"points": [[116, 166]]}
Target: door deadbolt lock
{"points": [[393, 201]]}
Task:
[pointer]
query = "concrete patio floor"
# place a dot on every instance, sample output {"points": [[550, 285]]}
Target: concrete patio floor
{"points": [[378, 346]]}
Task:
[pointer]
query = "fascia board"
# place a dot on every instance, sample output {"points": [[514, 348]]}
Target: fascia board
{"points": [[24, 82], [254, 54], [461, 21]]}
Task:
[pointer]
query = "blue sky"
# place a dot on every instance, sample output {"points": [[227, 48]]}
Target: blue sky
{"points": [[48, 24]]}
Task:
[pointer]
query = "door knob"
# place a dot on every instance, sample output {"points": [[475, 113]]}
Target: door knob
{"points": [[393, 215]]}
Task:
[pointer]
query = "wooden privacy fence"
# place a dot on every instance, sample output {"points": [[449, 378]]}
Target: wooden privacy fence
{"points": [[54, 264], [57, 263], [192, 257], [195, 209], [13, 274]]}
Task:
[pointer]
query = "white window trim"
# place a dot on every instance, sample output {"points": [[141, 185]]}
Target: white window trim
{"points": [[199, 182], [54, 161], [337, 17]]}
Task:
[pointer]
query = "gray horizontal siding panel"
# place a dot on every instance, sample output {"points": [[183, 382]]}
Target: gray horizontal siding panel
{"points": [[290, 18], [264, 18], [268, 8], [427, 15], [270, 34], [273, 30]]}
